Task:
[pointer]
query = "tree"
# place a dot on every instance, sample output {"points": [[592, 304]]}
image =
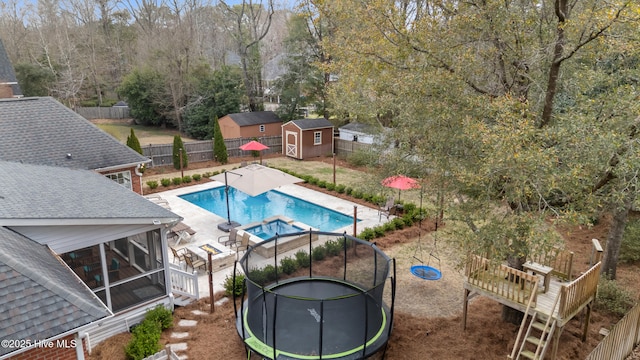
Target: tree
{"points": [[133, 142], [219, 147], [180, 158], [492, 98], [34, 80], [143, 90]]}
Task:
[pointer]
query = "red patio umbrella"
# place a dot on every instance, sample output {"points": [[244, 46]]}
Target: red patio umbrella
{"points": [[400, 182], [254, 146]]}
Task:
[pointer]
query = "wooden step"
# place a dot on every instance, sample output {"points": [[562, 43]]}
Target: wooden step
{"points": [[528, 354], [540, 326], [534, 340]]}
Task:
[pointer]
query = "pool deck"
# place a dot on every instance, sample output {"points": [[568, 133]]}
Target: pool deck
{"points": [[205, 224]]}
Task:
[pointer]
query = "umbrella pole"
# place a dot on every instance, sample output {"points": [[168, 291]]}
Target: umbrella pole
{"points": [[226, 192]]}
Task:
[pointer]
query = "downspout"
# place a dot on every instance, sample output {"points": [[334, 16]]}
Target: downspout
{"points": [[139, 174]]}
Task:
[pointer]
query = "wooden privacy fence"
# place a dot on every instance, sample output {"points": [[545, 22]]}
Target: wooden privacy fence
{"points": [[621, 340], [199, 151], [347, 147], [90, 113]]}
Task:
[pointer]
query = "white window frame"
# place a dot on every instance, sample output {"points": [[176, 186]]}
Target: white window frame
{"points": [[123, 178], [262, 128], [317, 138]]}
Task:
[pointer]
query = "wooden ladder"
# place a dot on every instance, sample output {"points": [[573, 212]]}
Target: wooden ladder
{"points": [[538, 336]]}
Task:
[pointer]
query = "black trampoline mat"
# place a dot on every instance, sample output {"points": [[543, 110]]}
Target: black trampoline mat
{"points": [[344, 323]]}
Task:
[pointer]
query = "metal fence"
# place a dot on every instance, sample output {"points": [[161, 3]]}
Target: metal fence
{"points": [[91, 113], [199, 151], [621, 340]]}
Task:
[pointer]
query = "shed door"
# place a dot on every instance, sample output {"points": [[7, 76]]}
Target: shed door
{"points": [[291, 144]]}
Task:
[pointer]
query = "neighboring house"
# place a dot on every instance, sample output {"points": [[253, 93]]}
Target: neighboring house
{"points": [[307, 138], [250, 124], [362, 133], [81, 259], [40, 130], [9, 87]]}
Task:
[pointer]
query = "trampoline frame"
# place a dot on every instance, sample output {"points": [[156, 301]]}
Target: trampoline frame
{"points": [[368, 347]]}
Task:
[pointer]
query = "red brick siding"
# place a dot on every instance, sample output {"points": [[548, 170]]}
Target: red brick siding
{"points": [[6, 91], [136, 181], [53, 353]]}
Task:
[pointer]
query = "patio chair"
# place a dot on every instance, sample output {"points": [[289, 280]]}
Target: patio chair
{"points": [[387, 208], [231, 238], [113, 273], [177, 255], [194, 263], [243, 245]]}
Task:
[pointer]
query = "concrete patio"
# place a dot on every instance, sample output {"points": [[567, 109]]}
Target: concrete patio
{"points": [[205, 224]]}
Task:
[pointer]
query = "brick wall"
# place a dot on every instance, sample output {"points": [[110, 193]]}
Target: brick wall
{"points": [[6, 91], [136, 181], [61, 349]]}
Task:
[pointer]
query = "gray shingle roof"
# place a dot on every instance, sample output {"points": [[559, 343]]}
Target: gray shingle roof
{"points": [[45, 193], [255, 118], [39, 296], [41, 130], [7, 73], [307, 124], [360, 127]]}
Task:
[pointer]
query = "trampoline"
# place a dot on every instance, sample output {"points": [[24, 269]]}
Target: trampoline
{"points": [[325, 313]]}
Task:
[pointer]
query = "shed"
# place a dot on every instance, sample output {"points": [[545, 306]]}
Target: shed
{"points": [[307, 138], [250, 124]]}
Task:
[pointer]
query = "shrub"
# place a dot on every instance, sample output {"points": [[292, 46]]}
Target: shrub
{"points": [[257, 276], [177, 145], [367, 234], [340, 189], [176, 181], [348, 190], [161, 316], [302, 258], [196, 177], [145, 340], [288, 265], [630, 247], [269, 272], [613, 298], [367, 197], [133, 142], [236, 288], [357, 194], [165, 182], [219, 147], [389, 226], [152, 184], [186, 179], [399, 223], [379, 231], [313, 181], [331, 186], [319, 253], [322, 184], [333, 247]]}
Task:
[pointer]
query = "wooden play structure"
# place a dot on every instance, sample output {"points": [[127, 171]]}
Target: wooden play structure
{"points": [[547, 308]]}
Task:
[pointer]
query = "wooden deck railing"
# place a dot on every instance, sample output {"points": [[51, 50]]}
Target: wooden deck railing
{"points": [[503, 281], [560, 260], [578, 293], [184, 283]]}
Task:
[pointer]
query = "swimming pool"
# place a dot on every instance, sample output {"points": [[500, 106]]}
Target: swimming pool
{"points": [[246, 209], [268, 230]]}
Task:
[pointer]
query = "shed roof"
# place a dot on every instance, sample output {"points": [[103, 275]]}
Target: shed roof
{"points": [[309, 124], [360, 127], [255, 118], [40, 298], [40, 130], [48, 195], [7, 73]]}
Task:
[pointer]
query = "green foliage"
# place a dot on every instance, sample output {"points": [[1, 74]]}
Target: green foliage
{"points": [[236, 288], [161, 316], [257, 276], [186, 179], [379, 231], [348, 190], [389, 226], [219, 147], [322, 184], [152, 184], [165, 182], [34, 80], [133, 142], [269, 272], [630, 247], [613, 298], [177, 146], [340, 189], [399, 222], [143, 89], [176, 181], [333, 247], [331, 186], [196, 177], [302, 258], [288, 265], [363, 158], [318, 253], [367, 234]]}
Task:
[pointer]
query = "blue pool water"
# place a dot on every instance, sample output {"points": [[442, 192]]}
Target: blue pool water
{"points": [[246, 209], [269, 230]]}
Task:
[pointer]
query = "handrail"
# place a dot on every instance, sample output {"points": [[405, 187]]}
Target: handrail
{"points": [[524, 320], [184, 283], [578, 292], [546, 326]]}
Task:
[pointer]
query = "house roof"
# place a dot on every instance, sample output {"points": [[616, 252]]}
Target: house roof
{"points": [[46, 195], [308, 124], [40, 298], [359, 127], [7, 73], [40, 130], [255, 118]]}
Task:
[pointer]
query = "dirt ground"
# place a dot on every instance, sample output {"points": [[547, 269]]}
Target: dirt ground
{"points": [[428, 314]]}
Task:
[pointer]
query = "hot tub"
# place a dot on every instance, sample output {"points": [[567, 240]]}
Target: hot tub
{"points": [[268, 228]]}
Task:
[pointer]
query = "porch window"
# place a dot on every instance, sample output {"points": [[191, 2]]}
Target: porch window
{"points": [[123, 178], [317, 138], [133, 266]]}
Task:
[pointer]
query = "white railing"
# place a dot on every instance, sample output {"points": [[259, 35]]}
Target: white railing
{"points": [[184, 283]]}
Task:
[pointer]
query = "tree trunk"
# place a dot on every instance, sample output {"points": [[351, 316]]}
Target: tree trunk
{"points": [[614, 239], [511, 315]]}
